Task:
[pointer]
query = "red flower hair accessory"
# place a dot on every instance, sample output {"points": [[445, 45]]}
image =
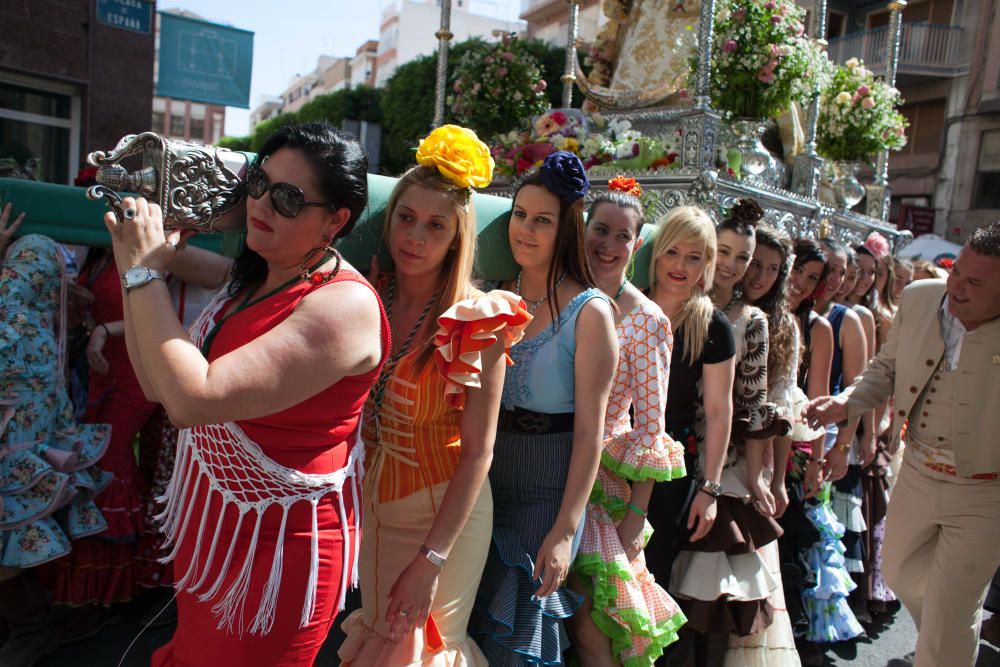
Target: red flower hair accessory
{"points": [[629, 186], [877, 246]]}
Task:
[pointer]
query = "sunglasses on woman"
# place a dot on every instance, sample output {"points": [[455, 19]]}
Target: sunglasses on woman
{"points": [[286, 199]]}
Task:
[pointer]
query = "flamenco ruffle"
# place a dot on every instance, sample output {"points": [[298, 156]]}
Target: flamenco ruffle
{"points": [[512, 625], [629, 607], [469, 327], [761, 423], [830, 616], [421, 648], [639, 456], [46, 493]]}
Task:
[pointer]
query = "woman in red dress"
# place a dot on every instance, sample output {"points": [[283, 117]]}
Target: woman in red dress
{"points": [[101, 570], [261, 510]]}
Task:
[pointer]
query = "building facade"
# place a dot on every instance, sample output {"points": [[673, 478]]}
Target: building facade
{"points": [[61, 68], [408, 27], [949, 77], [548, 20]]}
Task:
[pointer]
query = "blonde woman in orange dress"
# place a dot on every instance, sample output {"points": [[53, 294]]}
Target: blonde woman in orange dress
{"points": [[430, 420]]}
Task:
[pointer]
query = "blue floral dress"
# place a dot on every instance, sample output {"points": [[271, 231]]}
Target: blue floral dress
{"points": [[47, 472]]}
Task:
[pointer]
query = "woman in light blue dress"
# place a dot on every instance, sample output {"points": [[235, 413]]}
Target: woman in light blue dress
{"points": [[47, 473], [549, 435]]}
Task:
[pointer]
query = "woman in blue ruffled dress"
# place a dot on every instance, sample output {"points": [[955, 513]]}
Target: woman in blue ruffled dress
{"points": [[549, 435], [47, 473]]}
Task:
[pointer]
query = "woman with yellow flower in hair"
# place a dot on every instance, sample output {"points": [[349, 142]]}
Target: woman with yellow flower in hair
{"points": [[431, 418]]}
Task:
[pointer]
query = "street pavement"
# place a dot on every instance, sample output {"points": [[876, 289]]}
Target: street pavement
{"points": [[883, 648]]}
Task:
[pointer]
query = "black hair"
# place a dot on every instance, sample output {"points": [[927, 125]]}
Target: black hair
{"points": [[340, 167], [807, 250], [619, 199], [570, 253], [743, 217]]}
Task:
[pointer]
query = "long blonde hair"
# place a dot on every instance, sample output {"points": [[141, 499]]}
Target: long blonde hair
{"points": [[689, 224], [455, 277]]}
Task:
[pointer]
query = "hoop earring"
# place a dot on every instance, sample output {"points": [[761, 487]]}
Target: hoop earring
{"points": [[630, 271]]}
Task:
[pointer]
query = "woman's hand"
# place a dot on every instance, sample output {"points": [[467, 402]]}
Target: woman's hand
{"points": [[141, 241], [812, 478], [7, 231], [552, 563], [763, 500], [95, 356], [630, 532], [702, 515], [836, 463], [868, 449], [411, 596], [780, 494]]}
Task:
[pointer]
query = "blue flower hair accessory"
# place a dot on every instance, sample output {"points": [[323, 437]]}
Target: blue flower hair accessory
{"points": [[564, 175]]}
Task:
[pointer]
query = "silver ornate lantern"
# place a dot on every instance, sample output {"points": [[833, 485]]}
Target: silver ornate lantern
{"points": [[197, 187]]}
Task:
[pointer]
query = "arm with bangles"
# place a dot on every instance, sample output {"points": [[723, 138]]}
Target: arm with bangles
{"points": [[594, 368], [717, 383], [415, 588], [326, 338], [648, 410]]}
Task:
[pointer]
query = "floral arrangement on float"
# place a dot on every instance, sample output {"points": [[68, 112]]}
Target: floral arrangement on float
{"points": [[858, 117], [610, 145], [604, 49], [497, 88], [761, 63]]}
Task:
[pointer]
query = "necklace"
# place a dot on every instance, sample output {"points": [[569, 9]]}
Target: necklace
{"points": [[621, 289], [533, 305], [383, 377]]}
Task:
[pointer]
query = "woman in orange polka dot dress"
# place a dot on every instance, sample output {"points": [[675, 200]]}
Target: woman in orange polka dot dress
{"points": [[627, 618]]}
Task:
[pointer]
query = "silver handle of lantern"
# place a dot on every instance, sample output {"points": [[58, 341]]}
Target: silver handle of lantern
{"points": [[569, 75], [879, 192], [444, 36], [706, 35]]}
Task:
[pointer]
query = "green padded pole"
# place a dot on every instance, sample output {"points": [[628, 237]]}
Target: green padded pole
{"points": [[63, 213]]}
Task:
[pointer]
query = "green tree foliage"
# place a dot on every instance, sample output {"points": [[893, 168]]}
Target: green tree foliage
{"points": [[236, 143], [408, 105], [359, 103]]}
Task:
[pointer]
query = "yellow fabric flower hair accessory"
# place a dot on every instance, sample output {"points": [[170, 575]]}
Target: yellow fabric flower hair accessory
{"points": [[459, 155]]}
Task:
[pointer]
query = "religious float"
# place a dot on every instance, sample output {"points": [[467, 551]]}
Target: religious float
{"points": [[656, 90]]}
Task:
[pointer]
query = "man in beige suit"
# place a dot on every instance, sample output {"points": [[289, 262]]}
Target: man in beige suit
{"points": [[941, 361]]}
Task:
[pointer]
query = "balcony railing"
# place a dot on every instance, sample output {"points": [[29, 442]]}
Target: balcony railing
{"points": [[925, 49]]}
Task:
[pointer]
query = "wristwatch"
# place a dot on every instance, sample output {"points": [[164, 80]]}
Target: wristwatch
{"points": [[434, 557], [713, 489], [138, 276]]}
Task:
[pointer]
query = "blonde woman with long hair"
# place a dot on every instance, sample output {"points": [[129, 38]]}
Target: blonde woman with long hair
{"points": [[431, 419], [699, 398]]}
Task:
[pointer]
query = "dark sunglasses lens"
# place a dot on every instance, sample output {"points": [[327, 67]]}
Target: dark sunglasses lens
{"points": [[256, 182], [286, 199]]}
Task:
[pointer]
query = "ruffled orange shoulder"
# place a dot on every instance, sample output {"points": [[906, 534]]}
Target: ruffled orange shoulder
{"points": [[469, 327]]}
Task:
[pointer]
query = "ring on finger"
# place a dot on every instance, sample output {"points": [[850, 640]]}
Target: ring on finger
{"points": [[129, 213], [404, 612]]}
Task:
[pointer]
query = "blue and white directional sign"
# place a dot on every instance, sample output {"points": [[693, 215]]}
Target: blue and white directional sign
{"points": [[204, 62]]}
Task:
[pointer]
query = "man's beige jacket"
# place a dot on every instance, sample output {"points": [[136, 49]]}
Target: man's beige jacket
{"points": [[907, 362]]}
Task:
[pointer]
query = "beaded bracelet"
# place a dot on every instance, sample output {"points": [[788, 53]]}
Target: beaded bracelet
{"points": [[813, 459], [640, 512]]}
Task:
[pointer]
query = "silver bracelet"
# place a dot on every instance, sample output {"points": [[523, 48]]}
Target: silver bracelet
{"points": [[713, 489]]}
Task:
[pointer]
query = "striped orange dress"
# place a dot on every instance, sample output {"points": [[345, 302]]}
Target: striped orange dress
{"points": [[408, 471]]}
